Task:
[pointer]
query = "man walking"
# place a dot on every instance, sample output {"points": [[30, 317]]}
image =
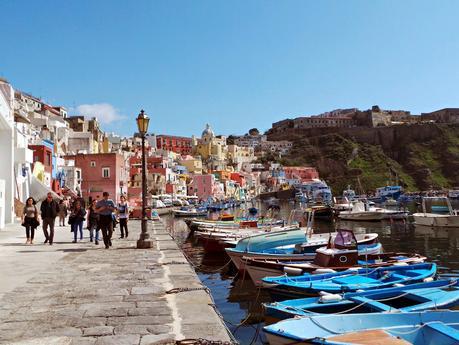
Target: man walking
{"points": [[49, 210], [105, 208]]}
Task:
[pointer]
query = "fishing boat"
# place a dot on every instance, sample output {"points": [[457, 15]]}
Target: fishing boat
{"points": [[190, 212], [367, 278], [432, 219], [363, 211], [290, 244], [327, 260], [218, 240], [418, 328], [437, 294], [341, 204]]}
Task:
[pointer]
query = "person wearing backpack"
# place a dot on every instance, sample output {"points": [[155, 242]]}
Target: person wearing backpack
{"points": [[30, 219]]}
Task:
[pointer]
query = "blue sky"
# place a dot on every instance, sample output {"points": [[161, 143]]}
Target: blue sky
{"points": [[234, 64]]}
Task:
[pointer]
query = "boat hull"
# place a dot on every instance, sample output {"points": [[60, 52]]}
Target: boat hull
{"points": [[435, 220]]}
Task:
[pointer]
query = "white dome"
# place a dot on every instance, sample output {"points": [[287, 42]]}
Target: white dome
{"points": [[207, 132]]}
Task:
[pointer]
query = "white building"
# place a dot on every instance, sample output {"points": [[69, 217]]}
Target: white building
{"points": [[6, 153]]}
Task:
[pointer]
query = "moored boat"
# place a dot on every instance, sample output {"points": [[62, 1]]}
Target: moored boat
{"points": [[431, 219], [367, 278], [418, 328], [437, 294], [363, 211], [326, 261], [290, 244]]}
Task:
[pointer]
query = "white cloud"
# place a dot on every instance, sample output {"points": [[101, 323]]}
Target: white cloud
{"points": [[105, 112]]}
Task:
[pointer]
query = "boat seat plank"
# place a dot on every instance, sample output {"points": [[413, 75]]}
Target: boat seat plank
{"points": [[444, 329], [370, 337], [369, 302]]}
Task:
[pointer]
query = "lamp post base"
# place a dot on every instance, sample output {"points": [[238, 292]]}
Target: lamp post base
{"points": [[144, 244], [144, 241]]}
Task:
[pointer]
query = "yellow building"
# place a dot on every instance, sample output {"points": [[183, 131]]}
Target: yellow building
{"points": [[192, 164], [210, 146]]}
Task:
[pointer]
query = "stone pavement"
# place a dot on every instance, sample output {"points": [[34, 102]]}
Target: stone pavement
{"points": [[84, 294]]}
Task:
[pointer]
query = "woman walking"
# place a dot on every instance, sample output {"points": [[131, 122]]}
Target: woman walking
{"points": [[30, 219], [123, 215], [93, 222], [62, 212], [76, 219]]}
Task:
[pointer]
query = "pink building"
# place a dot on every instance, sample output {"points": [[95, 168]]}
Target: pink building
{"points": [[203, 186], [102, 172], [304, 174]]}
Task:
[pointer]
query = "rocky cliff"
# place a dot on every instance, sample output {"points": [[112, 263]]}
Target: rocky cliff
{"points": [[418, 156]]}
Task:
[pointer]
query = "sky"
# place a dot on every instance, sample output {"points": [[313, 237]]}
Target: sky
{"points": [[233, 64]]}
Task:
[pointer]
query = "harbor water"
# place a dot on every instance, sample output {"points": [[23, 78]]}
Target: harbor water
{"points": [[240, 302]]}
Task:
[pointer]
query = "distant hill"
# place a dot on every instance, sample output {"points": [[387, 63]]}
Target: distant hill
{"points": [[418, 156]]}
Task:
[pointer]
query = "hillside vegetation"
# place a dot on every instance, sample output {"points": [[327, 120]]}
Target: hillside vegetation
{"points": [[417, 157]]}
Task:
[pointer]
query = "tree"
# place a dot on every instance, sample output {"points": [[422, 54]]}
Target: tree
{"points": [[254, 132]]}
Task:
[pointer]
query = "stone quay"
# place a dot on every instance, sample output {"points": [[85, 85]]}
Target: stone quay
{"points": [[80, 293]]}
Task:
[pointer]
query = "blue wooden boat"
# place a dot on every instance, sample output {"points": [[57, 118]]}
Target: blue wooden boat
{"points": [[418, 328], [351, 280], [437, 294]]}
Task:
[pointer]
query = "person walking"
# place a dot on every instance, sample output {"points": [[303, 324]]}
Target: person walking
{"points": [[92, 222], [105, 208], [30, 219], [49, 209], [62, 212], [123, 216], [76, 219]]}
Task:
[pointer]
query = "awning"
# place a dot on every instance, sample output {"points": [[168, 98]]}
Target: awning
{"points": [[39, 191]]}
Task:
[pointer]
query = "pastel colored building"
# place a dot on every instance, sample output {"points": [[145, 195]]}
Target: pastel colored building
{"points": [[203, 186], [102, 172], [192, 164], [303, 174], [176, 144]]}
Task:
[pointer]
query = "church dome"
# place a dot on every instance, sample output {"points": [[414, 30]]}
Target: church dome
{"points": [[207, 132]]}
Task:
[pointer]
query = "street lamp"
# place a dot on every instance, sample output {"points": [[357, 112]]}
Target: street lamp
{"points": [[144, 240]]}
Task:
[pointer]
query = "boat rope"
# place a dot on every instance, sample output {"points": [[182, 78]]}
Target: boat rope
{"points": [[416, 328], [186, 289], [202, 341]]}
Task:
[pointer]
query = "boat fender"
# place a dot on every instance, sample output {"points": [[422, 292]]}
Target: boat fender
{"points": [[359, 290], [330, 298], [400, 264], [324, 270], [324, 293], [354, 268], [428, 280], [293, 271], [399, 285]]}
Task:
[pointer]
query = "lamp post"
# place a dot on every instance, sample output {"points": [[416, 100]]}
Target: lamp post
{"points": [[144, 240]]}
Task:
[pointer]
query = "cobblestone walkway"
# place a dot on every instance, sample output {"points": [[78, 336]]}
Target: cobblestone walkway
{"points": [[116, 296]]}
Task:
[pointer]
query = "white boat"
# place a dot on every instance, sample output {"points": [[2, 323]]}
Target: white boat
{"points": [[363, 211], [453, 194], [190, 212], [341, 204], [451, 219]]}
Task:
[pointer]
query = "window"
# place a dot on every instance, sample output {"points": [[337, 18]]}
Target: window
{"points": [[78, 173], [93, 164], [106, 172]]}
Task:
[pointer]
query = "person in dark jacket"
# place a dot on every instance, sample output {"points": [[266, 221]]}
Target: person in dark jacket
{"points": [[76, 218], [49, 210], [92, 222]]}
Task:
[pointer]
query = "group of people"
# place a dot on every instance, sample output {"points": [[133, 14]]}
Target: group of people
{"points": [[100, 216]]}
